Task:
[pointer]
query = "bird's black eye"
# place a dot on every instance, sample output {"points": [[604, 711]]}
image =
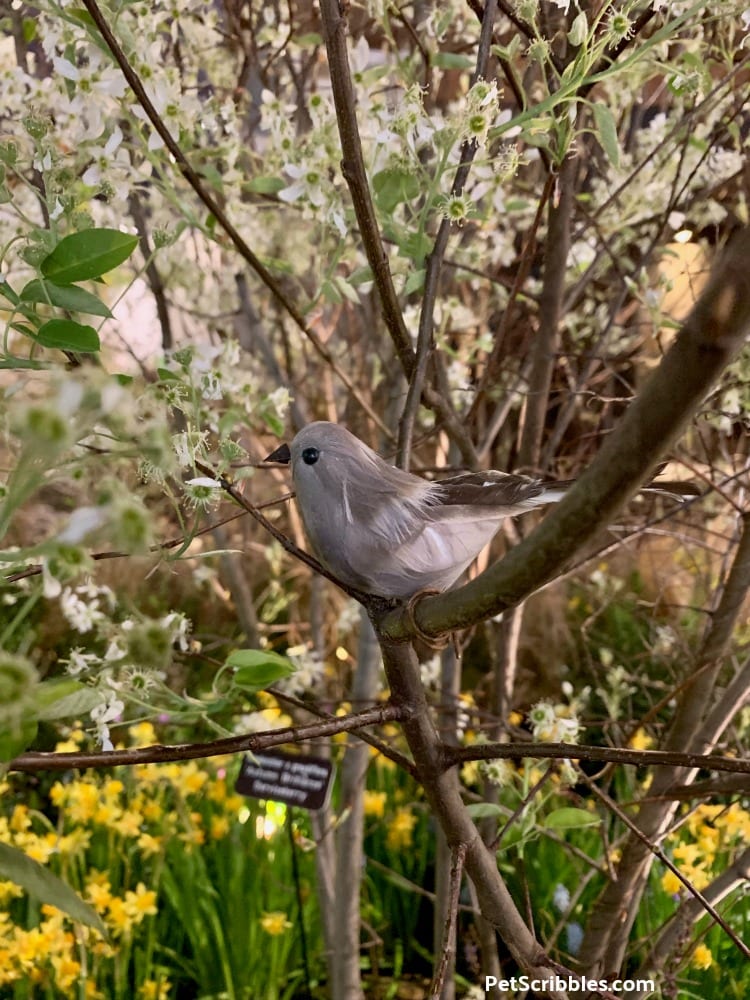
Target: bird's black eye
{"points": [[310, 456]]}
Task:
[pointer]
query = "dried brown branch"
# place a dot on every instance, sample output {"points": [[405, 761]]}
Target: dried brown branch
{"points": [[614, 755]]}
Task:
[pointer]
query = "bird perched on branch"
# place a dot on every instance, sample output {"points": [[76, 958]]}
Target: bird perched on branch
{"points": [[388, 532]]}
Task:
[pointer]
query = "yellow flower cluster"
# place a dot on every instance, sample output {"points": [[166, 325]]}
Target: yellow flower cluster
{"points": [[401, 829], [42, 955], [134, 813], [712, 831]]}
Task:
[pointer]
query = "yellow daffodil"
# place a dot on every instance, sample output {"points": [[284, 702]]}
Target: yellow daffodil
{"points": [[275, 923], [374, 804], [400, 829], [702, 957]]}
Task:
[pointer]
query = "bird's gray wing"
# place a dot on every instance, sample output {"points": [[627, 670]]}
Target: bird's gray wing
{"points": [[505, 492]]}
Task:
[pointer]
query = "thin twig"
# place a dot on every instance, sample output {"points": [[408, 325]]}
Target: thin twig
{"points": [[286, 543], [34, 761], [659, 853], [353, 169], [618, 755], [425, 335], [195, 182], [173, 543], [448, 949], [383, 748]]}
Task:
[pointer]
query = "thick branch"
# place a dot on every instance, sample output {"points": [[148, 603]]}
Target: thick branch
{"points": [[443, 791], [710, 338]]}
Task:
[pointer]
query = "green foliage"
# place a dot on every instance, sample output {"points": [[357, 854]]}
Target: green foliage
{"points": [[255, 669], [186, 878], [17, 867]]}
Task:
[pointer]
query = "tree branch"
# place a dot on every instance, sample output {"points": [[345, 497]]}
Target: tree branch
{"points": [[353, 169], [425, 336], [195, 182], [709, 339], [443, 791], [699, 898], [692, 910], [543, 349], [448, 950], [34, 761], [612, 755], [612, 916]]}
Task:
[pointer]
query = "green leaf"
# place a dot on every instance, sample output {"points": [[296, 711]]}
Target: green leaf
{"points": [[88, 254], [308, 41], [415, 281], [361, 275], [8, 153], [516, 205], [41, 883], [481, 810], [64, 697], [393, 186], [569, 818], [167, 375], [343, 286], [265, 185], [606, 130], [14, 741], [452, 60], [7, 292], [65, 296], [82, 15], [67, 335], [10, 362], [273, 422], [256, 669], [416, 246]]}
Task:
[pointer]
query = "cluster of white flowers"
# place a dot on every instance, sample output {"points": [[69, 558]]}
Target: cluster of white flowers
{"points": [[87, 606], [553, 723], [309, 672], [500, 773]]}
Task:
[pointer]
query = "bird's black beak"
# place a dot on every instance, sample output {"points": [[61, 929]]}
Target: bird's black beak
{"points": [[282, 455]]}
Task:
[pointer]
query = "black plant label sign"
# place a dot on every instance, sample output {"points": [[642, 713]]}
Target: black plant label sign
{"points": [[294, 779]]}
